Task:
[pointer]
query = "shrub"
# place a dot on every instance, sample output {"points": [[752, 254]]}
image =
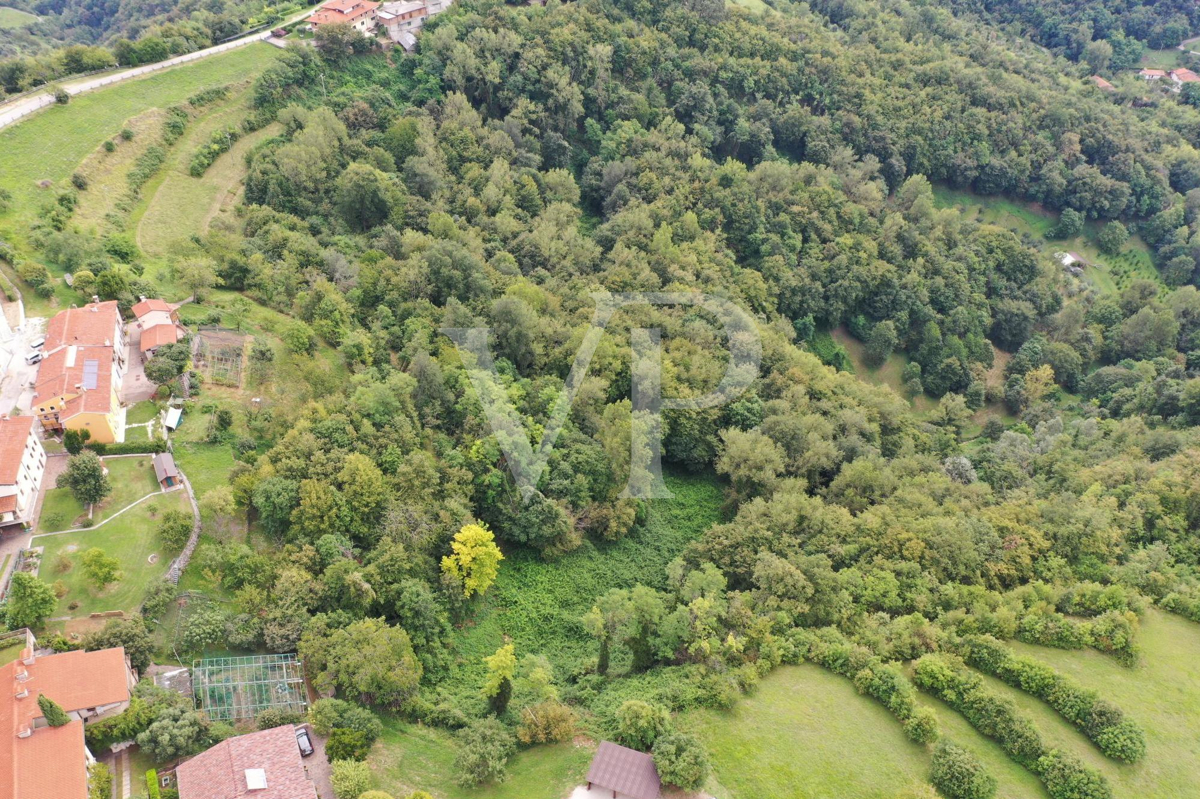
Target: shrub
{"points": [[79, 181], [681, 761], [110, 146], [152, 789], [1067, 778], [127, 134], [272, 717], [61, 97], [346, 744], [484, 748], [327, 715], [53, 713], [350, 778], [639, 724], [922, 726], [546, 722], [959, 775]]}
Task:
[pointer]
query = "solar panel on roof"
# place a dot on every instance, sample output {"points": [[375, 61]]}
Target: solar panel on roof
{"points": [[91, 373]]}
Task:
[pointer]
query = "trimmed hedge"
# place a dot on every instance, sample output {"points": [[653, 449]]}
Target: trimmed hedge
{"points": [[1111, 632], [140, 447], [1105, 724], [1065, 777], [152, 789]]}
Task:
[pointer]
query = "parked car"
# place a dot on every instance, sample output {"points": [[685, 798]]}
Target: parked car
{"points": [[34, 357], [37, 343], [304, 742]]}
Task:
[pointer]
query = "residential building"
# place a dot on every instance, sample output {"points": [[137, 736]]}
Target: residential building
{"points": [[403, 20], [1182, 76], [157, 324], [78, 385], [38, 761], [261, 765], [1152, 74], [359, 14], [1102, 83], [22, 465]]}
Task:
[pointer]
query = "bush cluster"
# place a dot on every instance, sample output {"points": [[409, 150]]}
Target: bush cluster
{"points": [[1103, 723], [959, 775], [1065, 777], [221, 142]]}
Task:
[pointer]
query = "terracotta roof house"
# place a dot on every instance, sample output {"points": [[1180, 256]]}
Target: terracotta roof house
{"points": [[78, 383], [625, 772], [1182, 76], [358, 13], [158, 322], [22, 465], [1102, 83], [38, 761], [261, 765], [1152, 74]]}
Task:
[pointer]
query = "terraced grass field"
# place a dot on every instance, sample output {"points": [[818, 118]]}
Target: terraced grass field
{"points": [[807, 734]]}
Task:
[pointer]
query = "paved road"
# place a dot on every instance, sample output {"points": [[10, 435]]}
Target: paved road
{"points": [[19, 109]]}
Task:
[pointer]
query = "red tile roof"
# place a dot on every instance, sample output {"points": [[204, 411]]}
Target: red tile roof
{"points": [[8, 503], [342, 11], [1185, 76], [62, 374], [156, 336], [14, 433], [1152, 73], [148, 306], [220, 773], [1102, 83], [94, 323], [51, 763], [627, 771]]}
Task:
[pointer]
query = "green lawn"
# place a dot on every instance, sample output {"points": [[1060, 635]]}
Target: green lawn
{"points": [[1170, 58], [1108, 273], [131, 478], [141, 413], [411, 757], [10, 650], [12, 18], [207, 466], [131, 539]]}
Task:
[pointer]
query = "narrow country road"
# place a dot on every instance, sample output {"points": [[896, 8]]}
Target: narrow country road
{"points": [[17, 110]]}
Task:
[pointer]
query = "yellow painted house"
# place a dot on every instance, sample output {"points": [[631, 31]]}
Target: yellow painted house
{"points": [[79, 382]]}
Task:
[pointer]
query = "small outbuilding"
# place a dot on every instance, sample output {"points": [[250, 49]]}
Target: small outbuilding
{"points": [[173, 417], [165, 470], [628, 773]]}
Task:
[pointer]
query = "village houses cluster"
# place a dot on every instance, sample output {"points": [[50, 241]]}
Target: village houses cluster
{"points": [[400, 21]]}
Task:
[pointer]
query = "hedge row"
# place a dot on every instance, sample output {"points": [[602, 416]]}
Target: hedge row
{"points": [[220, 143], [1112, 632], [1095, 599], [152, 789], [884, 682], [140, 447], [1064, 776], [1186, 605], [1104, 723]]}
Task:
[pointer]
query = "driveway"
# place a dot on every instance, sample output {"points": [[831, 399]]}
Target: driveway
{"points": [[15, 389], [135, 387], [316, 765]]}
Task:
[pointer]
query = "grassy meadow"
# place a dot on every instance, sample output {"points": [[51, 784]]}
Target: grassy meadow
{"points": [[411, 757], [13, 18], [131, 479], [1108, 273], [131, 539]]}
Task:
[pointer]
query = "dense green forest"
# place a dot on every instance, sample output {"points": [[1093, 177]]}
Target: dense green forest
{"points": [[526, 157], [1113, 31]]}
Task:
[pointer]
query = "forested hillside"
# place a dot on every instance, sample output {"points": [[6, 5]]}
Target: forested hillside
{"points": [[526, 157]]}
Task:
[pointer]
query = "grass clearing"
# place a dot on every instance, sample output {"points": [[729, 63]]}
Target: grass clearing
{"points": [[131, 478], [1108, 273], [108, 173], [176, 205], [131, 539], [141, 413], [537, 604], [411, 757], [13, 18], [1170, 58]]}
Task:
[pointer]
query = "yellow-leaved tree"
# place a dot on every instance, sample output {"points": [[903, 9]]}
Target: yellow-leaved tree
{"points": [[474, 559]]}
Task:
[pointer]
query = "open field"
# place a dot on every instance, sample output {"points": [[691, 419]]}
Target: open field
{"points": [[411, 757], [12, 18], [107, 173], [176, 205], [1170, 58], [131, 539], [131, 477], [1108, 273]]}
